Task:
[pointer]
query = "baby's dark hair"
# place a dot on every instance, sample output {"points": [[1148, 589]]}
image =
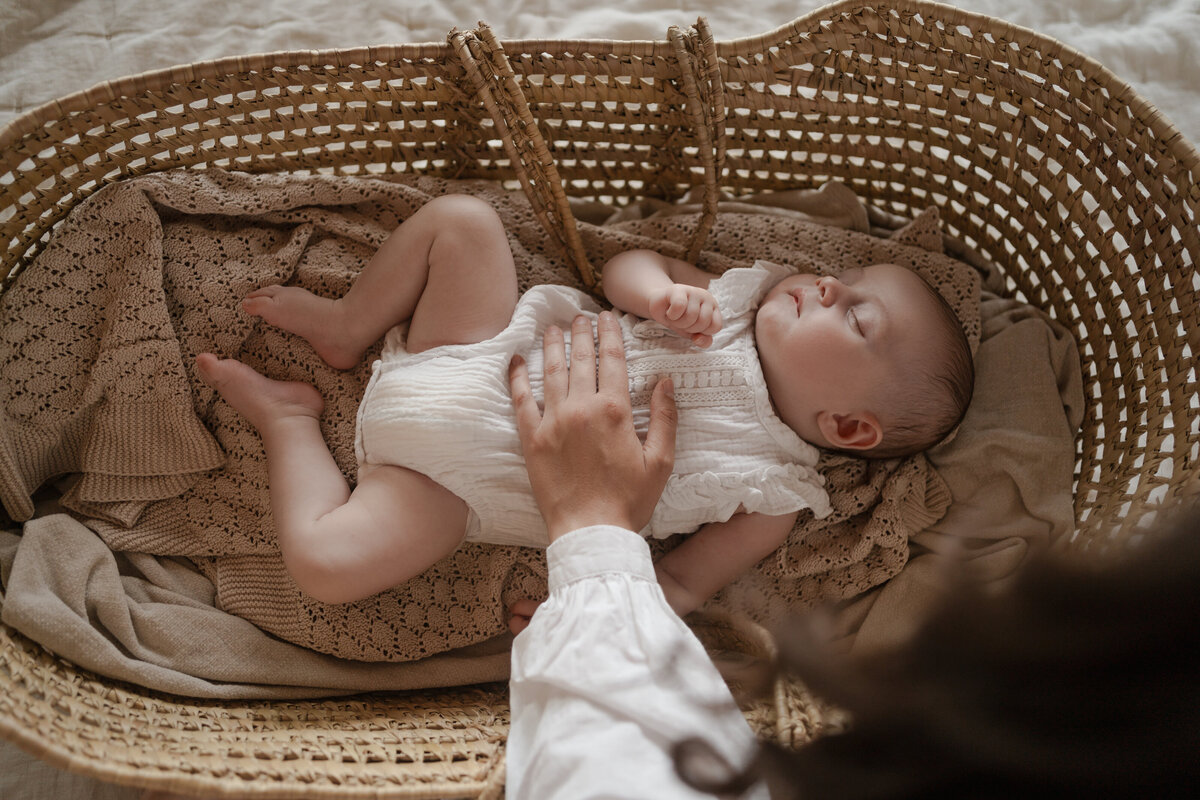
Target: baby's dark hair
{"points": [[928, 400]]}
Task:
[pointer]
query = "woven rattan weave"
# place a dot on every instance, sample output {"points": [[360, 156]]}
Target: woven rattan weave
{"points": [[1036, 156]]}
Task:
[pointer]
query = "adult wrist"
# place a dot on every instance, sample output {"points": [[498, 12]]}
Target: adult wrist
{"points": [[560, 527]]}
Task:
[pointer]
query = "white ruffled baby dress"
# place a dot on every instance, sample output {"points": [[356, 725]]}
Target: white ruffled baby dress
{"points": [[447, 412]]}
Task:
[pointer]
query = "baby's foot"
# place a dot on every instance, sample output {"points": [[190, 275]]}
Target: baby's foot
{"points": [[261, 400], [303, 313]]}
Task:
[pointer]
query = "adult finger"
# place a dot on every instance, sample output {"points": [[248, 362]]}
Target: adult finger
{"points": [[528, 415], [614, 374], [554, 372], [659, 449], [582, 377]]}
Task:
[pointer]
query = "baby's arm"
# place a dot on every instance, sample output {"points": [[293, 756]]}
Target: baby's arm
{"points": [[715, 555], [666, 290], [705, 563]]}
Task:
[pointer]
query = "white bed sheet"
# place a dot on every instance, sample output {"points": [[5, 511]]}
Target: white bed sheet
{"points": [[51, 48]]}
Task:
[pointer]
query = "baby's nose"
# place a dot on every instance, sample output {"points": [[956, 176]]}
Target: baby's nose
{"points": [[828, 289]]}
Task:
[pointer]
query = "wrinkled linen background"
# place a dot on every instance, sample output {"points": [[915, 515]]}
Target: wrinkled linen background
{"points": [[52, 48]]}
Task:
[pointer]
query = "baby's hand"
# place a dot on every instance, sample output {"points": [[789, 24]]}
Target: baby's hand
{"points": [[687, 310]]}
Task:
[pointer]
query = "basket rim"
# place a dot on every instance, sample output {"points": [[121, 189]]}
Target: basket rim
{"points": [[27, 123], [125, 772], [114, 772]]}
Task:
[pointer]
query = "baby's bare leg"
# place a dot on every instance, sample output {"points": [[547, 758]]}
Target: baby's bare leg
{"points": [[448, 268], [338, 545]]}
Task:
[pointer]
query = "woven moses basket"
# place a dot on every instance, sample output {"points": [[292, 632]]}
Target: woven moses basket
{"points": [[1036, 156]]}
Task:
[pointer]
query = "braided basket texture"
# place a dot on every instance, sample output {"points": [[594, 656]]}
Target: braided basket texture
{"points": [[1035, 155]]}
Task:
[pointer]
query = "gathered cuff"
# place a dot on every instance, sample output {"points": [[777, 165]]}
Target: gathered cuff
{"points": [[598, 550]]}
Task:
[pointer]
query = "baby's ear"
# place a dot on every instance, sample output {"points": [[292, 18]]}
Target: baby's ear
{"points": [[924, 231], [860, 430]]}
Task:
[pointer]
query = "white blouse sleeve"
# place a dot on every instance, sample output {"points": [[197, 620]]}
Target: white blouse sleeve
{"points": [[607, 678]]}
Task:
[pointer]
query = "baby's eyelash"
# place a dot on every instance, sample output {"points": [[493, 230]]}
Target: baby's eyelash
{"points": [[854, 322]]}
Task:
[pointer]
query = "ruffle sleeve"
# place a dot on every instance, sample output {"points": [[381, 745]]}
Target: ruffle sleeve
{"points": [[739, 290], [775, 489]]}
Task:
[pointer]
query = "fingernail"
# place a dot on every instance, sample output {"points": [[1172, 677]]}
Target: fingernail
{"points": [[669, 388]]}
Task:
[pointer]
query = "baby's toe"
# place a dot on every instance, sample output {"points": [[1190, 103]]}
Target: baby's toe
{"points": [[213, 371], [258, 305]]}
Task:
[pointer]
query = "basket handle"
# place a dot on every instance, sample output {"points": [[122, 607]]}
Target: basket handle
{"points": [[487, 66], [700, 74]]}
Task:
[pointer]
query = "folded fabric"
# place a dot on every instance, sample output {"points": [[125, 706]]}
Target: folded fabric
{"points": [[152, 621], [157, 267]]}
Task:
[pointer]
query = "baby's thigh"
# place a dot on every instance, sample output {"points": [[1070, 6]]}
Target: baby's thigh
{"points": [[402, 521], [471, 289]]}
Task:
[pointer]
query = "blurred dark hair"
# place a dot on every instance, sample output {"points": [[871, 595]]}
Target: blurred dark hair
{"points": [[1082, 679]]}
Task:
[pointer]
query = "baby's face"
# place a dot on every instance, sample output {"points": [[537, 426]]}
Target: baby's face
{"points": [[826, 343]]}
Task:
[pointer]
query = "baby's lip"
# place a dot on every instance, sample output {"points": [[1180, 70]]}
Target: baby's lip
{"points": [[798, 294]]}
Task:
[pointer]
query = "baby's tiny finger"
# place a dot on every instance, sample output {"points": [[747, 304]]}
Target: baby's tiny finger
{"points": [[678, 304], [703, 319], [688, 318]]}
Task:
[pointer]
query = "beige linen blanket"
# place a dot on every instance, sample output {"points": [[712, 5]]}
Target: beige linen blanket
{"points": [[156, 267]]}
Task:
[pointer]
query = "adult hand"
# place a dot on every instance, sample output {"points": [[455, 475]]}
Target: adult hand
{"points": [[585, 462]]}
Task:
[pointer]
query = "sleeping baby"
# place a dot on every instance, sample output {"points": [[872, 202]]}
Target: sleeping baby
{"points": [[767, 366]]}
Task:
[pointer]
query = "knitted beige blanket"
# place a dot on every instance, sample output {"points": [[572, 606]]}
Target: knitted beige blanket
{"points": [[99, 395]]}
